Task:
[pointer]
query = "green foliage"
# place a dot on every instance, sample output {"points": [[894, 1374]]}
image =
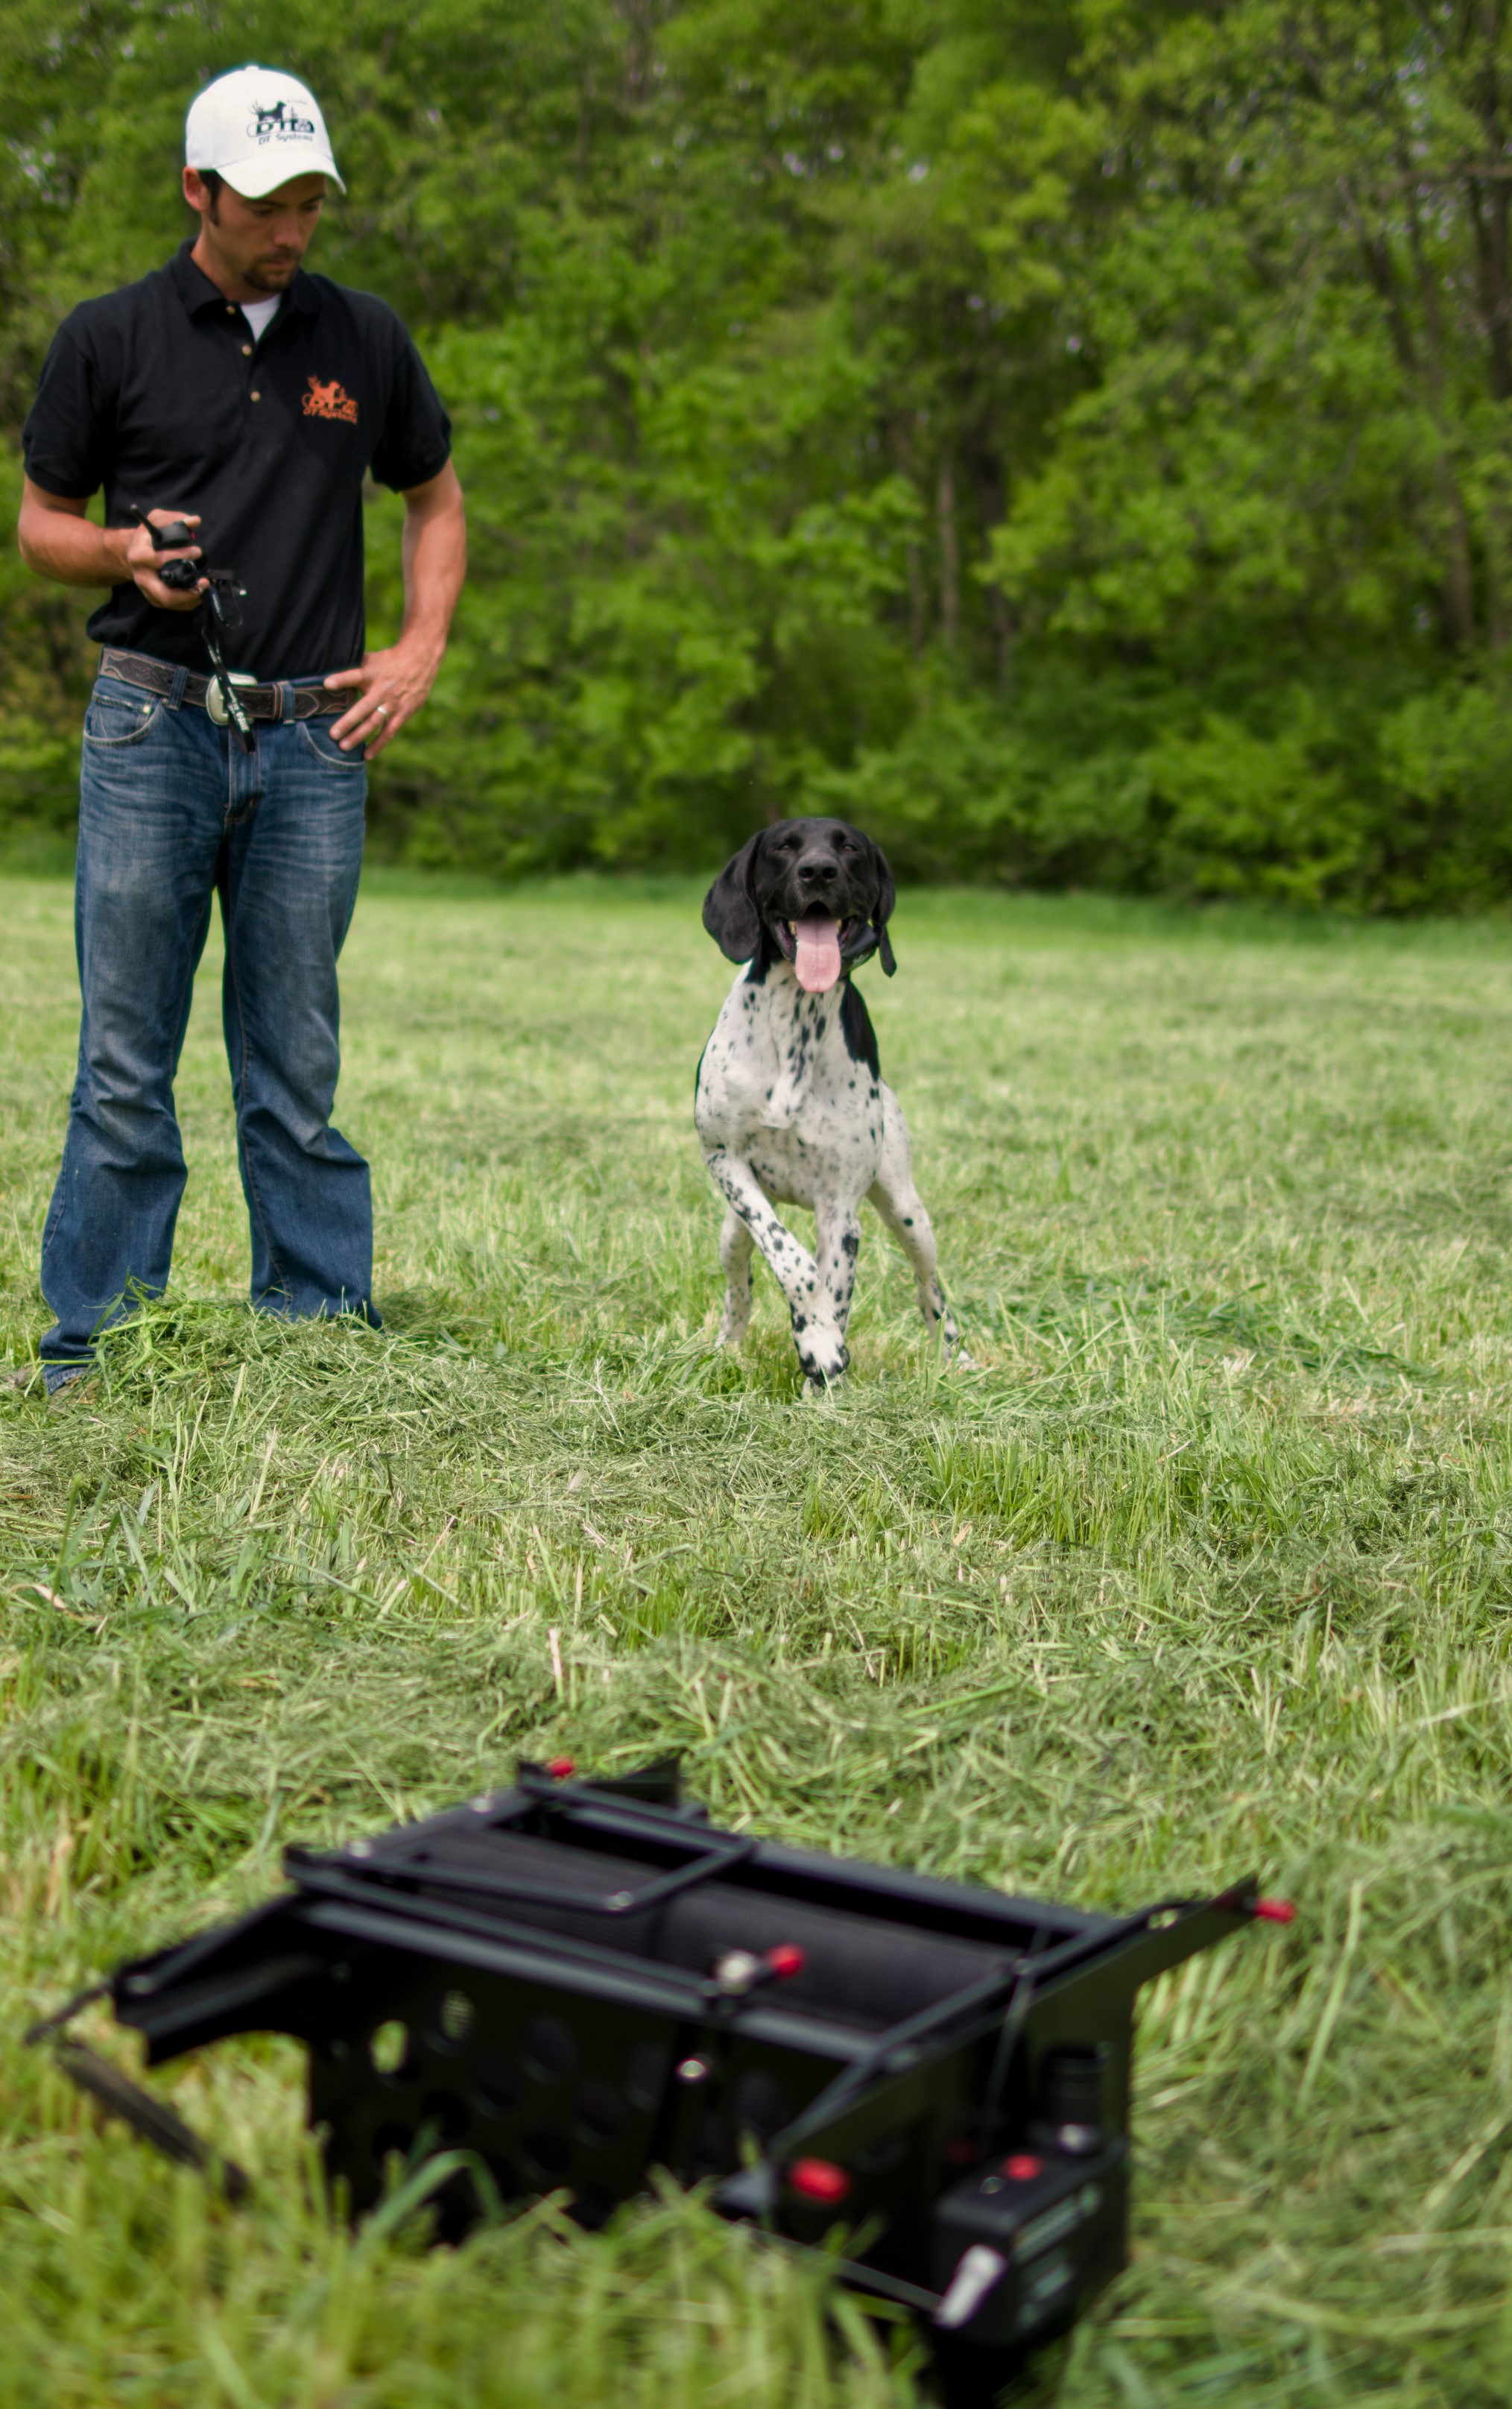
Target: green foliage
{"points": [[1077, 433]]}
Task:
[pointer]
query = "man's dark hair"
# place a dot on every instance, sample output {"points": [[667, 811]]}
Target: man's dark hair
{"points": [[212, 179]]}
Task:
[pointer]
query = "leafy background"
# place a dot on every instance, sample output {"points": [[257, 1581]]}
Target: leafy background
{"points": [[1070, 436]]}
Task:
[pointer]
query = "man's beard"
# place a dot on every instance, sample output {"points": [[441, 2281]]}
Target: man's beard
{"points": [[263, 278]]}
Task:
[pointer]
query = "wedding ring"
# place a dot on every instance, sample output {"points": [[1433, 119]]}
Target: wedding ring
{"points": [[382, 707]]}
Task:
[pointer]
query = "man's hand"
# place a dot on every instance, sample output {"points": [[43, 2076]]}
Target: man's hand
{"points": [[142, 561], [391, 685], [57, 540]]}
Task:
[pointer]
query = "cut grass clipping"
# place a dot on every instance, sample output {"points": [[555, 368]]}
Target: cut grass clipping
{"points": [[1202, 1569]]}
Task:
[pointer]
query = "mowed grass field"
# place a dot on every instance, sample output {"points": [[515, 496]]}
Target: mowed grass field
{"points": [[1202, 1569]]}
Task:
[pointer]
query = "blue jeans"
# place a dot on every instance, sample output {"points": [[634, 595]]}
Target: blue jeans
{"points": [[171, 814]]}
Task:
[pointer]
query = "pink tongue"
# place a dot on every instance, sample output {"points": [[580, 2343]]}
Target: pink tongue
{"points": [[818, 954]]}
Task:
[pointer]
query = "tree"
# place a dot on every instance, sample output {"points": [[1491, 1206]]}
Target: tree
{"points": [[1072, 435]]}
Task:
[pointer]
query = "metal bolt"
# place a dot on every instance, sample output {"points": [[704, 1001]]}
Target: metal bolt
{"points": [[738, 1971]]}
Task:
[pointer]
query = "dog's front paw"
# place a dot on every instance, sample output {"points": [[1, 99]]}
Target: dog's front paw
{"points": [[821, 1352]]}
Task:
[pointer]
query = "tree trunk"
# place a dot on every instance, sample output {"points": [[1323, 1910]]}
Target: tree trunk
{"points": [[641, 19], [900, 444], [1459, 581], [1005, 633], [988, 477], [915, 601], [1488, 209], [1488, 200], [949, 552]]}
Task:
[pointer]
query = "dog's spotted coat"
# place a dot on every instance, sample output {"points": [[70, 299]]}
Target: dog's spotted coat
{"points": [[791, 1106]]}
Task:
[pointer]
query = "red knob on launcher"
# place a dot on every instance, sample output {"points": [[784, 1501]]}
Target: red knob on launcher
{"points": [[820, 2179], [560, 1767], [787, 1959], [1276, 1910]]}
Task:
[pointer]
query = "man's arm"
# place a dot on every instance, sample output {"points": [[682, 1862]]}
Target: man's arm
{"points": [[394, 684], [56, 540]]}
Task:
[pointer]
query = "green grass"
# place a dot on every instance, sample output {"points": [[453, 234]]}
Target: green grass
{"points": [[1202, 1569]]}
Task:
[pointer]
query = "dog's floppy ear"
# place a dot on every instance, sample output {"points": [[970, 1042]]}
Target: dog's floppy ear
{"points": [[883, 909], [730, 910]]}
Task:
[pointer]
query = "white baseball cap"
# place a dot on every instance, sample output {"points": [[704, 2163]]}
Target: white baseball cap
{"points": [[257, 127]]}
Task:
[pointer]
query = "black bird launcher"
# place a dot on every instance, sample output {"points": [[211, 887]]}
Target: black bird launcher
{"points": [[572, 1982]]}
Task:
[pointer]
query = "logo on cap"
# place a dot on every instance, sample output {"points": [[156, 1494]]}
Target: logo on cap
{"points": [[282, 123], [330, 400]]}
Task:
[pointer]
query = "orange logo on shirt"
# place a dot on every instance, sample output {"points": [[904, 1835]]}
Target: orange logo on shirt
{"points": [[329, 402]]}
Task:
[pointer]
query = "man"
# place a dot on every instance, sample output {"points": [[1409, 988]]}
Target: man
{"points": [[235, 392]]}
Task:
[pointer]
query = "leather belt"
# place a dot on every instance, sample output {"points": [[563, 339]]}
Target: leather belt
{"points": [[262, 701]]}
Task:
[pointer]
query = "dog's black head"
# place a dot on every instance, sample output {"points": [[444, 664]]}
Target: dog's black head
{"points": [[816, 892]]}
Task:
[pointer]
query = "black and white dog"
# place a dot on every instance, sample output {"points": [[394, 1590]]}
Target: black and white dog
{"points": [[790, 1105]]}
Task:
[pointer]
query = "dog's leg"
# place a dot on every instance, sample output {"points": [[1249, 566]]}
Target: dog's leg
{"points": [[821, 1347], [901, 1207], [838, 1244], [736, 1247]]}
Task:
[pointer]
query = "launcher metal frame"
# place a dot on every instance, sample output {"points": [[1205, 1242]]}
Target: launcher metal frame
{"points": [[973, 2147]]}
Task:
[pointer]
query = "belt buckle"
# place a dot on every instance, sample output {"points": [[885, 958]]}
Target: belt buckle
{"points": [[215, 699]]}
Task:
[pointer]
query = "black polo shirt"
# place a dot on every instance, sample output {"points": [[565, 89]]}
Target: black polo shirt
{"points": [[159, 393]]}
